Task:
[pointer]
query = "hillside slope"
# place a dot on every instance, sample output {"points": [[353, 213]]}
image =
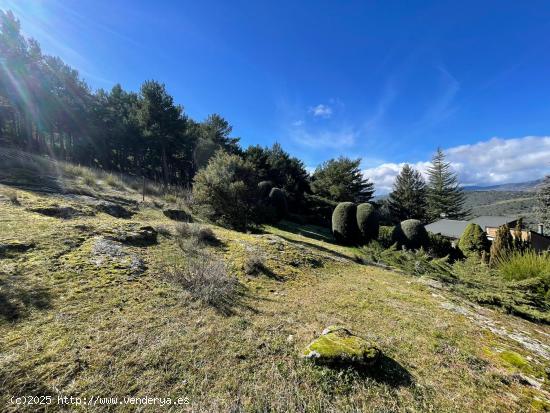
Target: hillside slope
{"points": [[83, 315], [503, 203]]}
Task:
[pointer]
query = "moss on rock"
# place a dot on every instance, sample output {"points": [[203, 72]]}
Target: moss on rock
{"points": [[337, 345]]}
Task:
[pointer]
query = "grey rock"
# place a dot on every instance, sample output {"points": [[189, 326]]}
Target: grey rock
{"points": [[113, 209]]}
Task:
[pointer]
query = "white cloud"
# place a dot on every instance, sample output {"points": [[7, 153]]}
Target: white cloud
{"points": [[324, 139], [384, 175], [298, 123], [323, 111], [491, 162]]}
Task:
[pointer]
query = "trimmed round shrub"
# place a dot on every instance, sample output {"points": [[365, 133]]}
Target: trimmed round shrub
{"points": [[344, 223], [367, 222], [264, 188], [410, 233], [277, 199], [473, 240]]}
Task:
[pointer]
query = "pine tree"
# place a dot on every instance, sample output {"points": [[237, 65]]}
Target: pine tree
{"points": [[341, 180], [543, 203], [408, 199], [519, 243], [445, 196]]}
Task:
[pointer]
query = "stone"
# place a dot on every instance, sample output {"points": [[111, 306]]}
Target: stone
{"points": [[14, 246], [337, 345], [64, 212], [177, 215], [143, 235], [109, 252], [113, 209]]}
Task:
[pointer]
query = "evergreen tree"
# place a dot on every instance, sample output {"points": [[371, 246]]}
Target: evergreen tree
{"points": [[502, 245], [161, 122], [213, 135], [408, 199], [543, 203], [473, 240], [282, 170], [225, 191], [444, 194], [341, 180]]}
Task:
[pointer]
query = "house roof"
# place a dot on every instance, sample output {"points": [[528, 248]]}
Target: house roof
{"points": [[447, 227], [492, 221], [453, 228]]}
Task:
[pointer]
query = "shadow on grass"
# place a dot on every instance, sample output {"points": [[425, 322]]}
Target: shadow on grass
{"points": [[230, 305], [308, 231], [16, 302], [386, 371], [262, 269], [316, 247]]}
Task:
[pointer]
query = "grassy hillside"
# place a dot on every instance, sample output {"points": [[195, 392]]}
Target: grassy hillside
{"points": [[87, 308], [506, 203]]}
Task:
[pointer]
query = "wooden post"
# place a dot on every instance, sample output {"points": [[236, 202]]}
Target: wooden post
{"points": [[143, 190]]}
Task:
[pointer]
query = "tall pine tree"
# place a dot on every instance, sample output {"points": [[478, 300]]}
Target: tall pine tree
{"points": [[543, 203], [408, 199], [445, 196], [342, 180]]}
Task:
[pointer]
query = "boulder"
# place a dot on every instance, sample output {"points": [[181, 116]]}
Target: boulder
{"points": [[337, 345], [144, 235], [177, 215], [7, 247], [64, 212], [115, 210], [109, 253]]}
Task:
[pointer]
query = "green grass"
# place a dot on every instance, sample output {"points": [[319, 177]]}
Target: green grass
{"points": [[68, 327], [529, 264], [501, 287]]}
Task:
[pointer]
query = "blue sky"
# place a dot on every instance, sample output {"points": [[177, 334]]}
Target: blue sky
{"points": [[386, 81]]}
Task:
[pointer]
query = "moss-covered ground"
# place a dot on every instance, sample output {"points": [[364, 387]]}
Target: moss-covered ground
{"points": [[71, 328]]}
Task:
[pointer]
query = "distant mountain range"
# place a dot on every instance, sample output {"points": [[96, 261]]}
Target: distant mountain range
{"points": [[529, 186]]}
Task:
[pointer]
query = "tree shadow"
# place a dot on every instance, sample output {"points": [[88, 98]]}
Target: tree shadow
{"points": [[262, 269], [316, 247], [308, 231], [16, 302], [230, 304]]}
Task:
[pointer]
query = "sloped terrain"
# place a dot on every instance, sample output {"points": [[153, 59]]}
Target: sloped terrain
{"points": [[86, 310], [504, 203]]}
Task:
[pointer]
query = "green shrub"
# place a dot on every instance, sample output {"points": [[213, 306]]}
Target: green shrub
{"points": [[520, 266], [344, 223], [13, 197], [385, 233], [318, 209], [225, 191], [411, 262], [88, 178], [254, 265], [113, 181], [277, 200], [411, 234], [367, 222], [207, 279], [502, 245], [473, 240], [264, 188], [439, 246]]}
